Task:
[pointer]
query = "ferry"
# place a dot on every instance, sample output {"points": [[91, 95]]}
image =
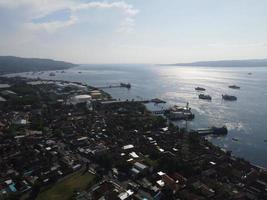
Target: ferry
{"points": [[229, 97], [203, 96], [200, 89]]}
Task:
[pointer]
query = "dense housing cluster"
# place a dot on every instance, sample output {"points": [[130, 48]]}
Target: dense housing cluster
{"points": [[55, 132]]}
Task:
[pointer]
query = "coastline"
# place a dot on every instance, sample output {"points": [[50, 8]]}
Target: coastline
{"points": [[123, 129], [111, 98]]}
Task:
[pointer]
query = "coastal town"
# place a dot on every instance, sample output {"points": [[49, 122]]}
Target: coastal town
{"points": [[66, 140]]}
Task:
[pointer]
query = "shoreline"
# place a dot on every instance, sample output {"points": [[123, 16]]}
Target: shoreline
{"points": [[119, 132], [111, 98]]}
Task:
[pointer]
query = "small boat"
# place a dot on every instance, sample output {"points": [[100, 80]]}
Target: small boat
{"points": [[203, 96], [79, 72], [235, 139], [52, 74], [234, 87], [249, 73], [200, 89], [229, 97]]}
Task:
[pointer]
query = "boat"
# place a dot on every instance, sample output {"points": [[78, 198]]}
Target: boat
{"points": [[249, 73], [234, 87], [203, 96], [229, 97], [235, 139], [200, 89], [52, 74], [180, 113]]}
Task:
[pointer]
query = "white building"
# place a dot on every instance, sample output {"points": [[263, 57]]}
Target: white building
{"points": [[81, 99]]}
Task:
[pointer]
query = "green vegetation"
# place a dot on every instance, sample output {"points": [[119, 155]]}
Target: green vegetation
{"points": [[66, 188], [151, 162]]}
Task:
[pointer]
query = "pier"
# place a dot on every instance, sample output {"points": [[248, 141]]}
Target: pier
{"points": [[159, 112], [156, 101], [212, 131], [121, 85]]}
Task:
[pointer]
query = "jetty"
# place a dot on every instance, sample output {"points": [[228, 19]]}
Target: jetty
{"points": [[115, 101], [212, 131], [121, 85]]}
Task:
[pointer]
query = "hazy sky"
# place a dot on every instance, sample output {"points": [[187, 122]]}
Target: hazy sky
{"points": [[134, 31]]}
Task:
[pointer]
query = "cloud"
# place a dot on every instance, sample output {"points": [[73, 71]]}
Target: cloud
{"points": [[52, 26], [42, 8], [238, 45], [127, 25], [126, 8]]}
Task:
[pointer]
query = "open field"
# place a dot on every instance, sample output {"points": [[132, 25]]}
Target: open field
{"points": [[64, 189]]}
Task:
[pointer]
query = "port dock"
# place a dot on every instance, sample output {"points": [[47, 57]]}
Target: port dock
{"points": [[121, 85], [156, 101], [212, 131]]}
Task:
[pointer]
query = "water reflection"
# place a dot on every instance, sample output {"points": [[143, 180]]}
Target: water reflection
{"points": [[246, 118]]}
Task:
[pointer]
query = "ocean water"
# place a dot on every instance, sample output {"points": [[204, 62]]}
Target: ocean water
{"points": [[245, 118]]}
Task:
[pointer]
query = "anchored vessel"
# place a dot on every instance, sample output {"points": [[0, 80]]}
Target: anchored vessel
{"points": [[229, 97], [200, 89], [203, 96], [234, 87]]}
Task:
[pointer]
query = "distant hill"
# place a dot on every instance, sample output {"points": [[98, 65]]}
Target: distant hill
{"points": [[227, 63], [12, 64]]}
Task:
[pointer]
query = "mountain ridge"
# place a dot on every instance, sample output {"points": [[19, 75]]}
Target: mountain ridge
{"points": [[226, 63], [14, 64]]}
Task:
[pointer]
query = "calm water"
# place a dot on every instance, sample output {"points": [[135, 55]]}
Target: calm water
{"points": [[246, 118]]}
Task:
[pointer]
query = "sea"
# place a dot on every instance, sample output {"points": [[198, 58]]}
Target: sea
{"points": [[246, 118]]}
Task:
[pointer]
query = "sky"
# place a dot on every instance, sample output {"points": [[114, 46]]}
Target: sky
{"points": [[134, 31]]}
